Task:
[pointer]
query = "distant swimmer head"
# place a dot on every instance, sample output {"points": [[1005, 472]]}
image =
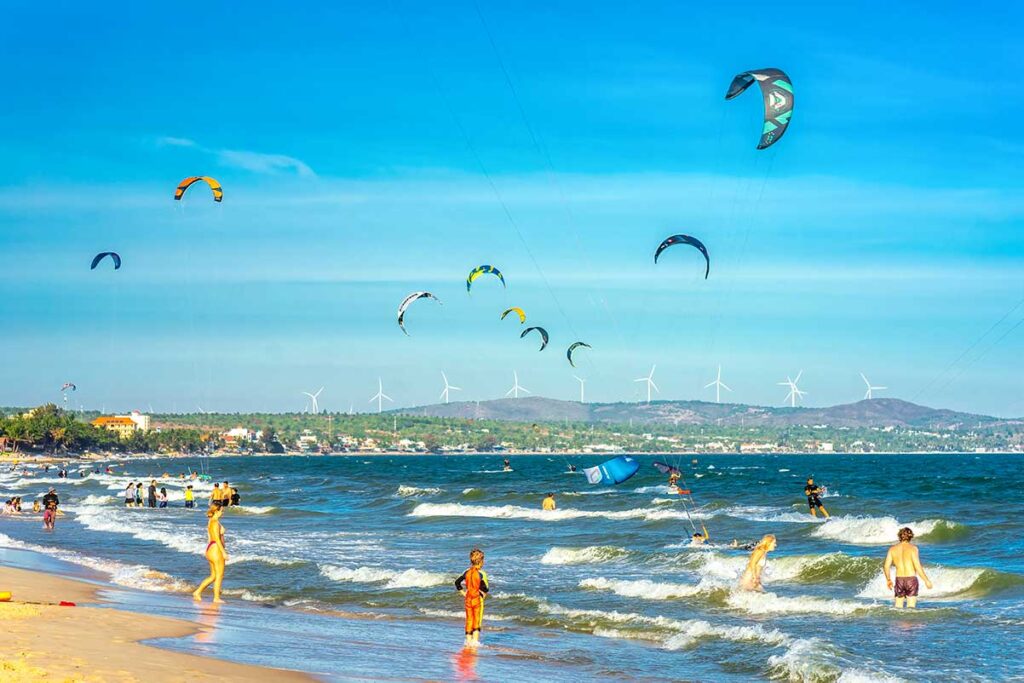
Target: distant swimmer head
{"points": [[905, 534], [476, 557]]}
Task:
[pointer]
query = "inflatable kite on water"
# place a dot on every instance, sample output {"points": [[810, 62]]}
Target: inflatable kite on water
{"points": [[777, 91], [615, 471], [218, 191]]}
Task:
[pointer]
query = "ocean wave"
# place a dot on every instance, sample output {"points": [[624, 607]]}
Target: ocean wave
{"points": [[191, 542], [761, 513], [673, 634], [518, 512], [953, 583], [647, 589], [407, 491], [409, 578], [882, 530], [590, 492], [754, 602], [595, 554], [253, 509], [128, 575], [806, 660]]}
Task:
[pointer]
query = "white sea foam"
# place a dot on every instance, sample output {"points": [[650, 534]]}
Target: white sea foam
{"points": [[407, 491], [675, 633], [871, 530], [595, 554], [518, 512], [762, 513], [128, 575], [753, 602], [113, 520], [253, 509], [806, 660], [410, 578], [646, 589]]}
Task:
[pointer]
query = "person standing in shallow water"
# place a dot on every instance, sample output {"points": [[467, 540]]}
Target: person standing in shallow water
{"points": [[751, 578], [905, 557], [216, 554], [813, 494]]}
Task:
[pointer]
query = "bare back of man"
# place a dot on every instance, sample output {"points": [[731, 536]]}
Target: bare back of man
{"points": [[906, 558]]}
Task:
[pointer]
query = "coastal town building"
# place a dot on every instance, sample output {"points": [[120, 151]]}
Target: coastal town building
{"points": [[122, 425]]}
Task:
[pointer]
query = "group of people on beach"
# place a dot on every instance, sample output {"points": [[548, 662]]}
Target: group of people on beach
{"points": [[48, 505], [221, 496]]}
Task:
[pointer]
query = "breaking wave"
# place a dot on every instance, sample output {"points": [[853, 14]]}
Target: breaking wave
{"points": [[409, 578], [882, 530], [519, 512], [595, 554]]}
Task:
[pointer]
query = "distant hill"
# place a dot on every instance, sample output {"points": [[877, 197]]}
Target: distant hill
{"points": [[879, 412]]}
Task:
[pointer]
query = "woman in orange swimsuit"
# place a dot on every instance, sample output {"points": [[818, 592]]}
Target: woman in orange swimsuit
{"points": [[216, 554]]}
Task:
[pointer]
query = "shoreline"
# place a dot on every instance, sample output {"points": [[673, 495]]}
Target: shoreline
{"points": [[97, 641]]}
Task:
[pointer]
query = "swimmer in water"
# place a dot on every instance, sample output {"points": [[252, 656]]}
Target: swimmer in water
{"points": [[907, 560], [507, 466], [473, 586], [751, 579], [549, 502], [572, 468]]}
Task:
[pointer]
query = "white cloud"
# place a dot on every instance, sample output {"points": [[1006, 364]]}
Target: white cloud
{"points": [[257, 162], [176, 142]]}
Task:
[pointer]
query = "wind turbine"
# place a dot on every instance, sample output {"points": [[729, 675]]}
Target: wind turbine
{"points": [[794, 392], [313, 398], [650, 383], [869, 395], [380, 396], [582, 382], [718, 384], [447, 387], [515, 386]]}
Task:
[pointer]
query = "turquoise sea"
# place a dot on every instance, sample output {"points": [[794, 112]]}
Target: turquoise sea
{"points": [[343, 565]]}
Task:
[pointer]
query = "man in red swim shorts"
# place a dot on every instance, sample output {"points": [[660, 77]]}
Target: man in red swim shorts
{"points": [[905, 557]]}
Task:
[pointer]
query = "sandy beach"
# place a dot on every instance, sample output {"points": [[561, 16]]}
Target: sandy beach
{"points": [[47, 642]]}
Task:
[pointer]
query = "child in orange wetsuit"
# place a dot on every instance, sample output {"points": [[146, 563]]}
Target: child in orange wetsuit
{"points": [[473, 585]]}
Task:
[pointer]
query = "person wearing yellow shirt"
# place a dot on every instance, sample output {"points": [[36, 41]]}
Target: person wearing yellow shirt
{"points": [[549, 502]]}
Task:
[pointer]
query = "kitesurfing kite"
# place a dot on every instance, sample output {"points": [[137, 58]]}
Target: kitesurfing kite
{"points": [[518, 311], [777, 91], [483, 270], [68, 385], [614, 471], [407, 301], [543, 336], [573, 347], [114, 256], [686, 239], [218, 192]]}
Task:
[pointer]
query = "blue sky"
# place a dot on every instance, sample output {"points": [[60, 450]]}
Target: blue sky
{"points": [[371, 149]]}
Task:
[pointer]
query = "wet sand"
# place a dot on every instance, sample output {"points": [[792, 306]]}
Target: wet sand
{"points": [[44, 641]]}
